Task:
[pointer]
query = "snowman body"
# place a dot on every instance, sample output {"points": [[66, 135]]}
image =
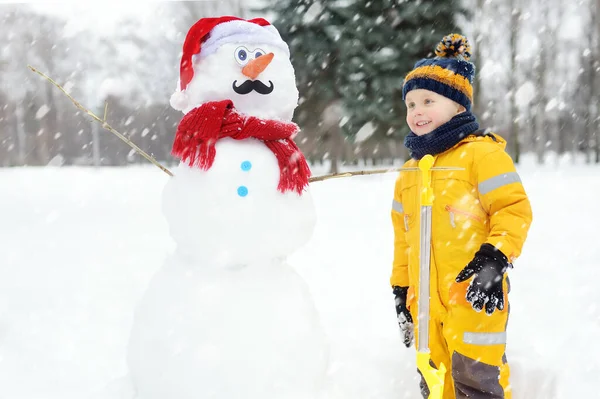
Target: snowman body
{"points": [[233, 214], [227, 317], [246, 332]]}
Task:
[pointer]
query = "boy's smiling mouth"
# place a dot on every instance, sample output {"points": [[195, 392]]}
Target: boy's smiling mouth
{"points": [[423, 123]]}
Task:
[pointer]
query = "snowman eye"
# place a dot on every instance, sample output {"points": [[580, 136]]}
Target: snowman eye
{"points": [[258, 53], [242, 55]]}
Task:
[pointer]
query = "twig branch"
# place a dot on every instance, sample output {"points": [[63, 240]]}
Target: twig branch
{"points": [[103, 122], [373, 172]]}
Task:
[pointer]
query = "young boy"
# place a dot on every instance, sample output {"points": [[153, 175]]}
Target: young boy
{"points": [[480, 218]]}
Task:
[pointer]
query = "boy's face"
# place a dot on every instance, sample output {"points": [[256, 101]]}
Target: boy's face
{"points": [[427, 110]]}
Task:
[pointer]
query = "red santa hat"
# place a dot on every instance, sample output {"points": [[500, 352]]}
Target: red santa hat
{"points": [[208, 34]]}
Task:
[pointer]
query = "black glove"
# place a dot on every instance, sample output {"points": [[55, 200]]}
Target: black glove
{"points": [[405, 320], [488, 266]]}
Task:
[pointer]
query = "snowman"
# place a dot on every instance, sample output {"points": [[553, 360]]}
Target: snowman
{"points": [[226, 316]]}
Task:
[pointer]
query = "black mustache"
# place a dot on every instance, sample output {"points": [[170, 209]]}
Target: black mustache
{"points": [[255, 85]]}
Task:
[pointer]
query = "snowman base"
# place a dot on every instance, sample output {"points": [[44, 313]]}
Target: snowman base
{"points": [[239, 332]]}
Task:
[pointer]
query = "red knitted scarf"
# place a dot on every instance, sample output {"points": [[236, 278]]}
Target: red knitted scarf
{"points": [[200, 129]]}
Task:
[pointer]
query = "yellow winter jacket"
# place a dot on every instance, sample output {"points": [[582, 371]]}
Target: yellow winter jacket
{"points": [[484, 202]]}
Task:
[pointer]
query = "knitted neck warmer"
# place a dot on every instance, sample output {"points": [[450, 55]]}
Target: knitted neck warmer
{"points": [[443, 138]]}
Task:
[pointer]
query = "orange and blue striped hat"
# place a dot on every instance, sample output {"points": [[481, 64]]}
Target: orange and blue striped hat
{"points": [[449, 74]]}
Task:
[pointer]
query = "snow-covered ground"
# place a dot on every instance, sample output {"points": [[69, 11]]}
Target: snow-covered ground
{"points": [[78, 246]]}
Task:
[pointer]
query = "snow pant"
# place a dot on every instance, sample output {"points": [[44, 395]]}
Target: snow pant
{"points": [[472, 347]]}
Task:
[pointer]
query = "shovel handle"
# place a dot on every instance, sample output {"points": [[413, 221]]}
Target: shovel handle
{"points": [[433, 377], [425, 165]]}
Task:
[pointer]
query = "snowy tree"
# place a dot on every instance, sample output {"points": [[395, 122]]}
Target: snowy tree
{"points": [[312, 30], [37, 40], [588, 104], [528, 86], [546, 103], [359, 52], [514, 31]]}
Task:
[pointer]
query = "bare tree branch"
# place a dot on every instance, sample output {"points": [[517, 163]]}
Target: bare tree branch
{"points": [[103, 122], [373, 172]]}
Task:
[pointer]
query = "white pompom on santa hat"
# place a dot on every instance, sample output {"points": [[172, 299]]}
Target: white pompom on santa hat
{"points": [[208, 34]]}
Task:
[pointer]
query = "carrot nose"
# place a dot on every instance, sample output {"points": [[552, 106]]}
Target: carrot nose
{"points": [[257, 65]]}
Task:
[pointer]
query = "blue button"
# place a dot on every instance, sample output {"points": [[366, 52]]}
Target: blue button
{"points": [[246, 166], [242, 191]]}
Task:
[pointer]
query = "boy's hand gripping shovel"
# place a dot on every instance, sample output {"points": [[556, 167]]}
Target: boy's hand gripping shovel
{"points": [[434, 378]]}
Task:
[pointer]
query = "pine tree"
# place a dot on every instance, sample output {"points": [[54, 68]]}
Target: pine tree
{"points": [[359, 51], [312, 30]]}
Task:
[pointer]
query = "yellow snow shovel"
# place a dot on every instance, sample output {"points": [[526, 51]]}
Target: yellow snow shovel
{"points": [[434, 378]]}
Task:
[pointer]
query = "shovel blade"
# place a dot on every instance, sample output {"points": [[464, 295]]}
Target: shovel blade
{"points": [[433, 377]]}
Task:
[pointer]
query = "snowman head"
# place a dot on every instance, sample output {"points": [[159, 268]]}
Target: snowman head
{"points": [[245, 61]]}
